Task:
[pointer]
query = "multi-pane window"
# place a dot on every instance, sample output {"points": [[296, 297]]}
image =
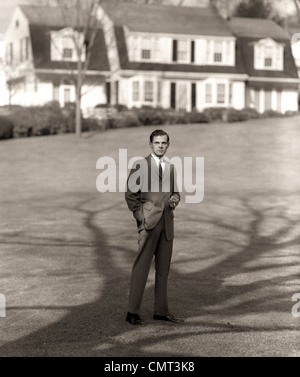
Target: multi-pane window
{"points": [[208, 93], [68, 47], [146, 54], [182, 51], [221, 93], [218, 53], [9, 54], [67, 53], [24, 49], [268, 57], [67, 95], [148, 91], [135, 91]]}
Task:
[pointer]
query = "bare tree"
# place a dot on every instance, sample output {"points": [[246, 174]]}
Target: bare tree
{"points": [[80, 17], [84, 23], [297, 5]]}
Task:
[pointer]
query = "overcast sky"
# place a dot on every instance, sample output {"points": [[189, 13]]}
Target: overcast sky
{"points": [[7, 6]]}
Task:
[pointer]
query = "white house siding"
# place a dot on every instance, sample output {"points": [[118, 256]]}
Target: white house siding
{"points": [[45, 92], [93, 96], [18, 30], [289, 101], [238, 95]]}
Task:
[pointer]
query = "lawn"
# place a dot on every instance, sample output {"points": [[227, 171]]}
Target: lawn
{"points": [[66, 251]]}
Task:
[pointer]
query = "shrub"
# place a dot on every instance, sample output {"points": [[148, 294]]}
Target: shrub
{"points": [[214, 114], [291, 113], [149, 116], [6, 128], [251, 113], [123, 120], [233, 115], [47, 120], [272, 114], [196, 117]]}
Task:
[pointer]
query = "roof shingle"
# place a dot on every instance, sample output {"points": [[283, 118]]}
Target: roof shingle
{"points": [[257, 28], [168, 19]]}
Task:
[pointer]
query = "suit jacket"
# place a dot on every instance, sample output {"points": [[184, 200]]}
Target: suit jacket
{"points": [[149, 204]]}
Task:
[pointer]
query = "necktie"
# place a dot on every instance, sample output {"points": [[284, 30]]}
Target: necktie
{"points": [[160, 170]]}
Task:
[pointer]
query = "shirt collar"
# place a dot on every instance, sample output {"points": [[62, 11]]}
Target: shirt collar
{"points": [[157, 159]]}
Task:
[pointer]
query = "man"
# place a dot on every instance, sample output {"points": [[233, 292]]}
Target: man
{"points": [[152, 201]]}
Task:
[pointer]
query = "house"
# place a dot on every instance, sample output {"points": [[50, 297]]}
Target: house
{"points": [[41, 59], [183, 58], [189, 58], [273, 81]]}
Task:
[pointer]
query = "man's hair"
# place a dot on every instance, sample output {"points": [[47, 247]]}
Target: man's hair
{"points": [[158, 133]]}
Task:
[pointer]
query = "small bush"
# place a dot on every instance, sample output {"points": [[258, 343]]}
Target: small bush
{"points": [[291, 113], [149, 116], [214, 114], [251, 113], [123, 120], [196, 117], [47, 120], [233, 115], [272, 114], [6, 128]]}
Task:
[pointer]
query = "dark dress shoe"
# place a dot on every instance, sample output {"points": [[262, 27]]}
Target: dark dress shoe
{"points": [[168, 318], [135, 319]]}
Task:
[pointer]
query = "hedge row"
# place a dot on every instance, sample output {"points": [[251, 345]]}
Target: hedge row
{"points": [[51, 119]]}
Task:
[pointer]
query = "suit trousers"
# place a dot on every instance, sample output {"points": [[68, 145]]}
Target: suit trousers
{"points": [[151, 243]]}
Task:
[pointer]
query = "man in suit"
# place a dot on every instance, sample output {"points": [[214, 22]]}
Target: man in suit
{"points": [[152, 197]]}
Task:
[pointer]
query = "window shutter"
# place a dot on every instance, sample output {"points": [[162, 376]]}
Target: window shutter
{"points": [[173, 95], [175, 50], [193, 52], [194, 99]]}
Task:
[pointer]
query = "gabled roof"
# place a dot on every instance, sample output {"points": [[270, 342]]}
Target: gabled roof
{"points": [[52, 16], [43, 20], [40, 40], [167, 19], [246, 46], [251, 30], [257, 28]]}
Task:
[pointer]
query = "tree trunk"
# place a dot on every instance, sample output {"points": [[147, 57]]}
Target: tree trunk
{"points": [[78, 122]]}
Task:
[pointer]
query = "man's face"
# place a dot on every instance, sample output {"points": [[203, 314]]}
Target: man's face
{"points": [[159, 145]]}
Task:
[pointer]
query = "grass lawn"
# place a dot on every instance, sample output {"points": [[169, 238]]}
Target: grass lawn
{"points": [[66, 251]]}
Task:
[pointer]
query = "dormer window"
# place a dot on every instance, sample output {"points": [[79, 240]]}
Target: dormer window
{"points": [[63, 46], [218, 56], [268, 55]]}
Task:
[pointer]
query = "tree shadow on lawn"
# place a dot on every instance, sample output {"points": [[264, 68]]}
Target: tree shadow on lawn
{"points": [[99, 328]]}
